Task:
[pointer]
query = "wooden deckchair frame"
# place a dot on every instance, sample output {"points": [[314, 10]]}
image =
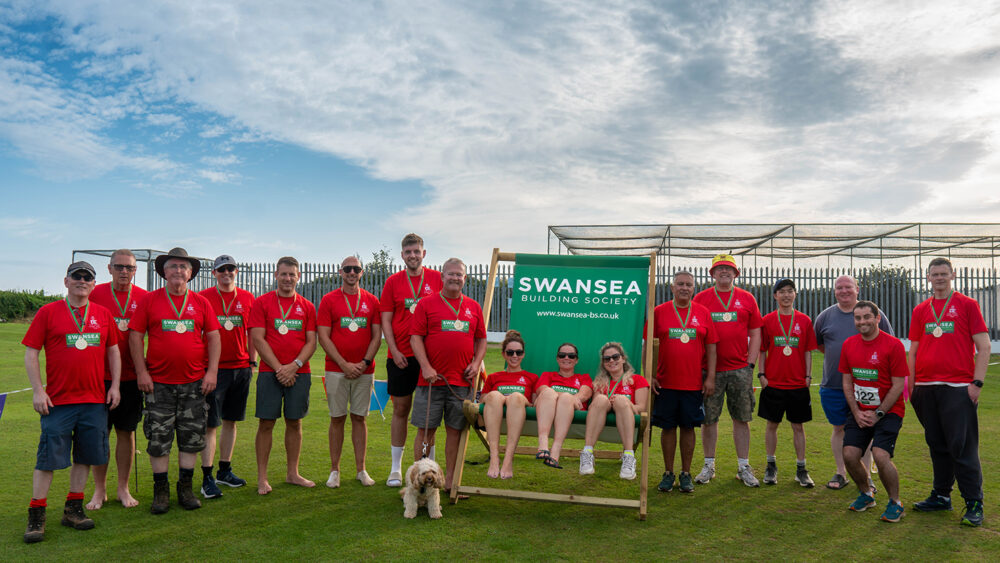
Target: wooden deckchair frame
{"points": [[649, 370]]}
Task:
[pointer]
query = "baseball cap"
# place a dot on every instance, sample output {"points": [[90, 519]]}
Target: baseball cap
{"points": [[81, 265], [783, 282], [224, 260], [724, 260]]}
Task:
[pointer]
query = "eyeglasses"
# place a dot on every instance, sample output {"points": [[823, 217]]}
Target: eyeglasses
{"points": [[123, 268], [513, 352], [612, 358], [227, 269], [351, 269], [84, 276], [564, 355], [178, 266]]}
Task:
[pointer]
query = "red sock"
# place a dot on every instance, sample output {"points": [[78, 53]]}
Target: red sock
{"points": [[74, 496], [38, 503]]}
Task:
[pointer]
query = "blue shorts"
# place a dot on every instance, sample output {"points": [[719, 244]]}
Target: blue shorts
{"points": [[228, 401], [81, 429], [834, 405], [673, 408]]}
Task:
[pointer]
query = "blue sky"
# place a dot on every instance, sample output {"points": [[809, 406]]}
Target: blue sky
{"points": [[322, 129]]}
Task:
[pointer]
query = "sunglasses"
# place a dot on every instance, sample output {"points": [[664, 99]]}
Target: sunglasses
{"points": [[226, 269], [564, 355], [84, 276], [351, 269], [123, 268], [612, 358], [513, 352]]}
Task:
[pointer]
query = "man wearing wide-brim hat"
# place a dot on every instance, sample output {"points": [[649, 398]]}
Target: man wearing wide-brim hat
{"points": [[179, 369]]}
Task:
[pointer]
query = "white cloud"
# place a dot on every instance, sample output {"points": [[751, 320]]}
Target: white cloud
{"points": [[224, 160], [217, 176]]}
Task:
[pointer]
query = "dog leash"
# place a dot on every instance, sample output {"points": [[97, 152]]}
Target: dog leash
{"points": [[427, 411]]}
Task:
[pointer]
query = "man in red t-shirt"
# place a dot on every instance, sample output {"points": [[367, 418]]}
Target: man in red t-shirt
{"points": [[787, 342], [946, 332], [178, 371], [400, 295], [873, 368], [448, 338], [349, 327], [121, 297], [227, 404], [687, 342], [79, 339], [283, 329], [737, 320]]}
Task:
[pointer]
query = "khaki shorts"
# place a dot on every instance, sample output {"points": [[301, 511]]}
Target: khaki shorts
{"points": [[340, 391], [737, 385]]}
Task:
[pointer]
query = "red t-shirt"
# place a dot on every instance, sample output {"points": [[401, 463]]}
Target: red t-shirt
{"points": [[873, 364], [449, 349], [115, 301], [175, 355], [950, 358], [72, 375], [680, 362], [571, 385], [362, 313], [638, 382], [734, 329], [507, 382], [235, 353], [300, 319], [787, 372], [397, 298]]}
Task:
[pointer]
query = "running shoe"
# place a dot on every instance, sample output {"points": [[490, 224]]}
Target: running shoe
{"points": [[667, 483], [334, 480], [746, 475], [229, 479], [862, 503], [706, 475], [686, 486], [973, 513], [628, 467], [209, 489], [893, 512], [771, 473], [803, 478], [586, 463], [933, 503]]}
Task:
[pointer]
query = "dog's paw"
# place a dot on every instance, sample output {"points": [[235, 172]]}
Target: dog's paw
{"points": [[435, 514], [410, 514]]}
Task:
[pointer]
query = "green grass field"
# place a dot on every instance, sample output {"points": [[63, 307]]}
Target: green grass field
{"points": [[721, 520]]}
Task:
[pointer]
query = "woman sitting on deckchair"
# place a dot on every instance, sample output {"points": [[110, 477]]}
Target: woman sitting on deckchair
{"points": [[616, 388], [513, 388], [557, 396]]}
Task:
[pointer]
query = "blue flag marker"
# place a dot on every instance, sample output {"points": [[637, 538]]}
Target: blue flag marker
{"points": [[3, 399], [380, 396]]}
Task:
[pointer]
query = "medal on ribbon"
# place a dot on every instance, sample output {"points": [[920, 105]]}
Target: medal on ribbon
{"points": [[180, 327], [283, 327], [123, 321], [726, 315], [353, 327], [787, 350], [684, 338], [459, 324], [416, 297], [938, 332], [228, 325], [81, 342]]}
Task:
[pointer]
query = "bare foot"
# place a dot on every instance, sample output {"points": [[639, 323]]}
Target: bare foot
{"points": [[97, 501], [494, 471], [299, 480], [506, 472], [263, 488], [126, 498]]}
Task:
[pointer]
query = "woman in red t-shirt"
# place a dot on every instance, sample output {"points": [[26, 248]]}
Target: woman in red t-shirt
{"points": [[617, 388], [513, 388], [557, 396]]}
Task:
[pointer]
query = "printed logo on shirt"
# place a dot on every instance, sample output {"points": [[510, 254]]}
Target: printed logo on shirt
{"points": [[565, 389], [468, 313], [94, 323], [91, 338], [239, 306], [946, 326], [450, 326], [952, 312], [190, 309], [792, 341], [797, 330], [720, 317], [865, 374], [521, 380], [409, 302], [508, 389], [299, 310], [237, 320], [874, 358], [427, 288], [364, 307], [361, 322], [737, 304], [694, 321], [120, 320], [170, 325], [675, 333], [292, 324]]}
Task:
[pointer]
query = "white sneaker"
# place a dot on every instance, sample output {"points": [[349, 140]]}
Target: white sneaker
{"points": [[628, 467], [586, 463], [334, 481], [706, 475], [746, 475], [365, 479], [395, 479]]}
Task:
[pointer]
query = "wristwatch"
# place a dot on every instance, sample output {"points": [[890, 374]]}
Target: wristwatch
{"points": [[752, 365], [978, 383], [367, 362], [298, 362], [760, 375], [879, 413], [253, 363]]}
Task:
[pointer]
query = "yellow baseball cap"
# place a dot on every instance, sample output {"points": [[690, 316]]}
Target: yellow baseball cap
{"points": [[724, 260]]}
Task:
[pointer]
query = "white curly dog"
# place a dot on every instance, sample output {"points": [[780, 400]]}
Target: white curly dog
{"points": [[424, 480]]}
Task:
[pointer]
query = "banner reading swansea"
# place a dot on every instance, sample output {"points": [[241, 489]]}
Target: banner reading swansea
{"points": [[584, 300]]}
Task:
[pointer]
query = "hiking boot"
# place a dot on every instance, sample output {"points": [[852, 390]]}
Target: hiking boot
{"points": [[161, 497], [973, 513], [36, 525], [628, 467], [706, 475], [667, 483], [185, 495], [746, 475], [802, 477], [771, 473], [686, 486], [209, 489], [933, 503], [74, 517], [229, 478], [893, 512], [862, 503], [586, 463], [333, 481]]}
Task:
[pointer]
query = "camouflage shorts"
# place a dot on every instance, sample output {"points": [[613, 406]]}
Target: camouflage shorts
{"points": [[175, 408], [737, 385]]}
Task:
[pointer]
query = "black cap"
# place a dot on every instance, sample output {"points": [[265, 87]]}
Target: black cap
{"points": [[783, 282], [81, 265]]}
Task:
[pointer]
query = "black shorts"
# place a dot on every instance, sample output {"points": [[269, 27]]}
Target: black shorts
{"points": [[126, 416], [673, 408], [229, 399], [883, 435], [402, 382], [793, 404]]}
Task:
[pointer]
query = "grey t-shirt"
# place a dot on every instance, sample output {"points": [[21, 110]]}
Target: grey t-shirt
{"points": [[833, 327]]}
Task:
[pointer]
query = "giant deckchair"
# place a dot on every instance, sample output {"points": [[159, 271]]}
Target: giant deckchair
{"points": [[610, 434]]}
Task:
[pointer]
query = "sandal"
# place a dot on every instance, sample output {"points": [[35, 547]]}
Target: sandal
{"points": [[837, 482], [554, 463], [542, 454]]}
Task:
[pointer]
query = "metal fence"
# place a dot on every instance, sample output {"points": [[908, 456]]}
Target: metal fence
{"points": [[896, 290]]}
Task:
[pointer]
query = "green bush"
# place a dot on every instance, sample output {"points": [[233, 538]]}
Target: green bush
{"points": [[16, 305]]}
